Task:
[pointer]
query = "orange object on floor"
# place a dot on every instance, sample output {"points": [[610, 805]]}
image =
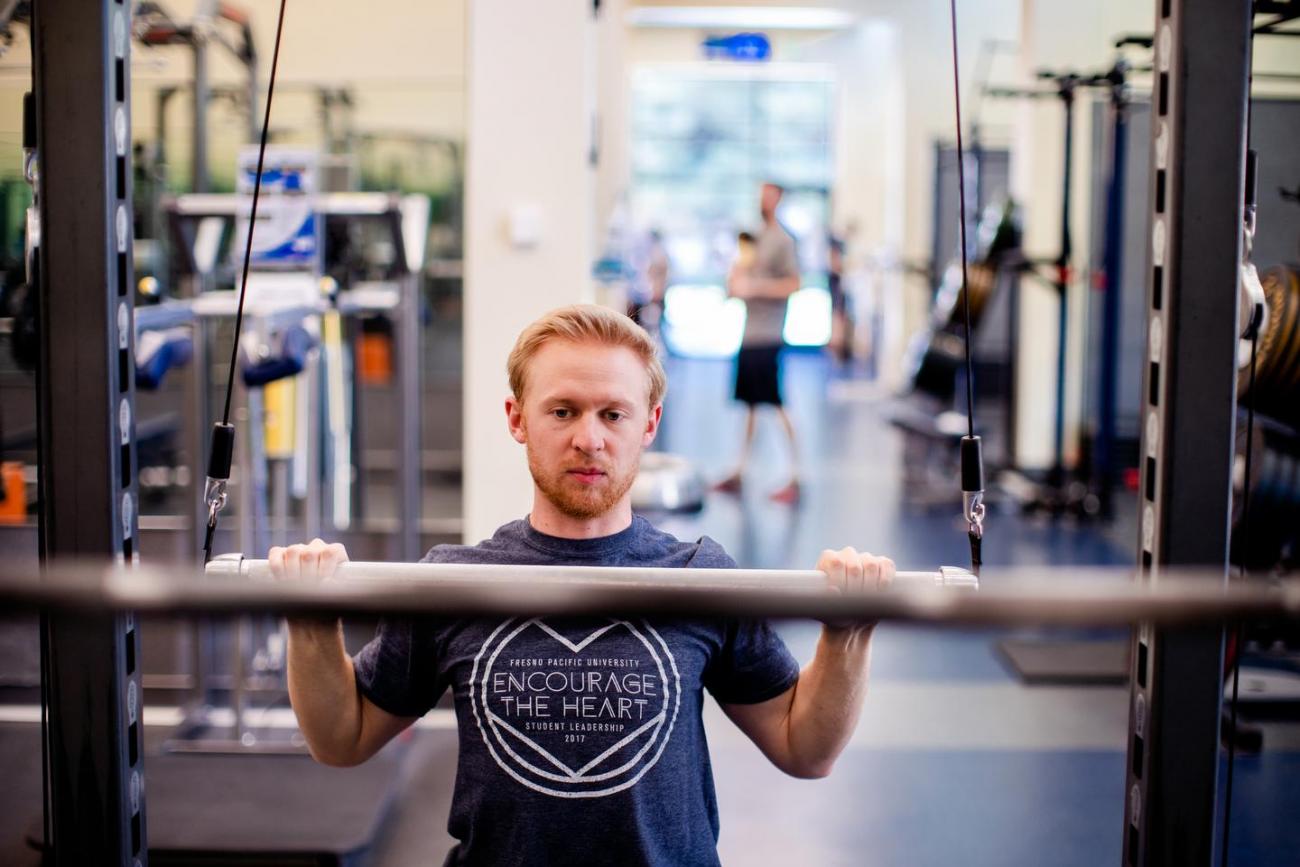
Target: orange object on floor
{"points": [[13, 508], [375, 358]]}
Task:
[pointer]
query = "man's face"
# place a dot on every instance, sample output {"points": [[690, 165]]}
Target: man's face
{"points": [[584, 420]]}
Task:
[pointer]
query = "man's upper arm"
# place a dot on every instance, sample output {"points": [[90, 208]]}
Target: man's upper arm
{"points": [[767, 724], [397, 672], [785, 273], [378, 727], [789, 266]]}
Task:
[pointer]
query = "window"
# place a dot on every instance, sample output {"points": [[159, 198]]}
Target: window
{"points": [[704, 138]]}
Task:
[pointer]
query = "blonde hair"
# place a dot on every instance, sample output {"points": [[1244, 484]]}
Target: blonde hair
{"points": [[582, 323]]}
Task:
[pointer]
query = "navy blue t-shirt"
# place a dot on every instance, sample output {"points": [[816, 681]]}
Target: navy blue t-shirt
{"points": [[581, 739]]}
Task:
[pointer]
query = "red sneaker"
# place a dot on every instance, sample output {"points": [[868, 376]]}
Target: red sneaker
{"points": [[789, 494], [729, 485]]}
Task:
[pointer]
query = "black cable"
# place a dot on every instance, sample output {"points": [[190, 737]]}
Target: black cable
{"points": [[221, 450], [972, 459], [252, 217], [47, 821], [42, 489], [961, 199]]}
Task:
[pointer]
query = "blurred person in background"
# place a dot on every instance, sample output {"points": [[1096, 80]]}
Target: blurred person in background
{"points": [[841, 342], [765, 284], [646, 300]]}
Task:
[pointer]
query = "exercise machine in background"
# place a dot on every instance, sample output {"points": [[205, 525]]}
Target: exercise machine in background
{"points": [[294, 390]]}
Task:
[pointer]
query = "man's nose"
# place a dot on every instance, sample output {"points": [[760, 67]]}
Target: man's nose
{"points": [[589, 436]]}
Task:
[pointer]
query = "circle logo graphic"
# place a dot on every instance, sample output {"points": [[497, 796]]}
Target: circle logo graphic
{"points": [[575, 711]]}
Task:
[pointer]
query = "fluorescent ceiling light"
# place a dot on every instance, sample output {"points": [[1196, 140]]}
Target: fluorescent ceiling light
{"points": [[740, 17]]}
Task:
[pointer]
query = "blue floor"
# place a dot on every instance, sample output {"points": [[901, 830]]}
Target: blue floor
{"points": [[937, 809], [951, 804]]}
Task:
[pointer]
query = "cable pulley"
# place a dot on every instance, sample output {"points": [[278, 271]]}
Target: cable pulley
{"points": [[972, 454], [221, 450]]}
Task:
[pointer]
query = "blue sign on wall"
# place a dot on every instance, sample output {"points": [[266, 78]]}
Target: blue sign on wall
{"points": [[747, 47]]}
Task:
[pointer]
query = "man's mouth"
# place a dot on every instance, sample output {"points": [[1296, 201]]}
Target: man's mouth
{"points": [[587, 475]]}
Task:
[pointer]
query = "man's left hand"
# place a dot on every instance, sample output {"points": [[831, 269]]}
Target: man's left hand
{"points": [[848, 572]]}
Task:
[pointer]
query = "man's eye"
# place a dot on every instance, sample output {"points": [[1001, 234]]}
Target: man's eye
{"points": [[562, 413], [614, 415]]}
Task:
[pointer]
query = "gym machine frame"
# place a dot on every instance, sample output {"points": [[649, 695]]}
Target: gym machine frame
{"points": [[90, 670], [90, 673], [406, 219], [1202, 57]]}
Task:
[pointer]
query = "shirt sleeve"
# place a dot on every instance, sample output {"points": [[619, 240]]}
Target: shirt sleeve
{"points": [[752, 666], [396, 669], [752, 663]]}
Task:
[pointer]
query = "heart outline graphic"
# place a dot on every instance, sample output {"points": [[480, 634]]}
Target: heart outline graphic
{"points": [[573, 776], [662, 724]]}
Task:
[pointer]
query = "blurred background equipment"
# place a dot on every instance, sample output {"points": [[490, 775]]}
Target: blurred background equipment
{"points": [[445, 171]]}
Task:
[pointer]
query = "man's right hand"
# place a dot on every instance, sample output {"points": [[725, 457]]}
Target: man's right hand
{"points": [[342, 727], [314, 562]]}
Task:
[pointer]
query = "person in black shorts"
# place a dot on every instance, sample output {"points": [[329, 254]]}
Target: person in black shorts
{"points": [[765, 275]]}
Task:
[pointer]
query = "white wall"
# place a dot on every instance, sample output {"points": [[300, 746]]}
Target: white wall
{"points": [[612, 89], [404, 59], [531, 95]]}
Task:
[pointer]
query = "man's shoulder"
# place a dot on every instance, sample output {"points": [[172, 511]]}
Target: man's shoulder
{"points": [[502, 547], [710, 555], [660, 545], [646, 545]]}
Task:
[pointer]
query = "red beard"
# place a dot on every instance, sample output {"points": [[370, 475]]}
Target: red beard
{"points": [[576, 499]]}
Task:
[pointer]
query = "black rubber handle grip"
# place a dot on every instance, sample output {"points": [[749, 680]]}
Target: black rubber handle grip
{"points": [[29, 121], [222, 452], [972, 464], [1252, 178]]}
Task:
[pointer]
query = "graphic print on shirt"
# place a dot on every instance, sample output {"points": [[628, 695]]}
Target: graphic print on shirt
{"points": [[575, 708]]}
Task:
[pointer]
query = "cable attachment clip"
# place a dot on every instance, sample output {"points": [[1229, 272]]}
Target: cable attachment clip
{"points": [[972, 497], [221, 454], [214, 494]]}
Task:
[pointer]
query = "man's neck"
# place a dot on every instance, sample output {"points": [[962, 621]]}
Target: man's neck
{"points": [[545, 518]]}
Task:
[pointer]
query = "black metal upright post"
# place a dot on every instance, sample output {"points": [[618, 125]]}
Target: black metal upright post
{"points": [[81, 65], [1066, 85], [1113, 263], [1197, 177]]}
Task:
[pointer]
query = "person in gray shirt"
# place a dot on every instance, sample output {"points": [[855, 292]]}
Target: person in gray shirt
{"points": [[581, 739], [764, 278]]}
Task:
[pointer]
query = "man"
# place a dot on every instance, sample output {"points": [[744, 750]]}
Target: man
{"points": [[581, 739], [766, 287], [646, 304]]}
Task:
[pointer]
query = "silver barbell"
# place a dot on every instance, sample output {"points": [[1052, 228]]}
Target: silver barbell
{"points": [[239, 566], [1069, 597]]}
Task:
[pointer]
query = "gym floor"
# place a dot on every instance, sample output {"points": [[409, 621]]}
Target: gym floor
{"points": [[956, 761]]}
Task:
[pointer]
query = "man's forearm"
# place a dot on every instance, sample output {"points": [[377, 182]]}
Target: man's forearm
{"points": [[323, 690], [828, 700]]}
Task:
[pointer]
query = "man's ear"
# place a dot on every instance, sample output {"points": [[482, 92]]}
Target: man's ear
{"points": [[652, 425], [515, 419]]}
